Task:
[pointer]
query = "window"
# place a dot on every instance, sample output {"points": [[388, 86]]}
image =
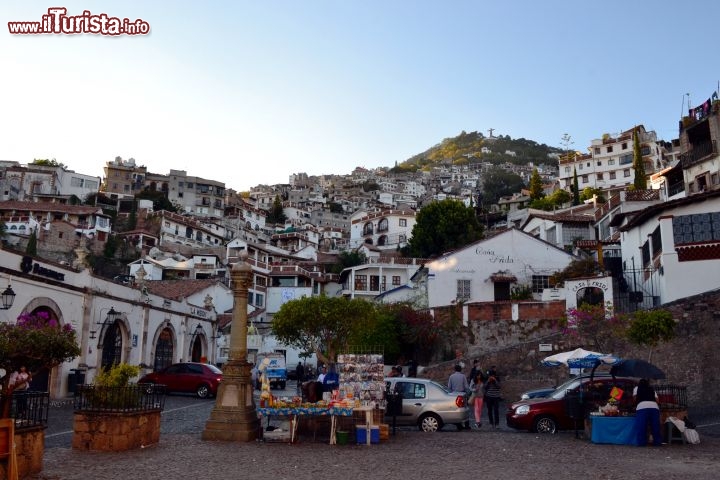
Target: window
{"points": [[383, 225], [463, 290], [656, 242], [624, 146], [580, 167], [612, 175], [181, 184], [539, 282], [609, 149], [599, 163], [588, 164], [626, 159], [402, 238], [646, 254], [611, 161], [597, 150], [361, 282], [567, 169], [584, 179], [600, 176], [396, 280], [259, 300], [714, 178], [644, 151], [626, 172], [374, 283], [403, 222]]}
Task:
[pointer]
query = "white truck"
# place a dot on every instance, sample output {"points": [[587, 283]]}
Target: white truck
{"points": [[272, 364]]}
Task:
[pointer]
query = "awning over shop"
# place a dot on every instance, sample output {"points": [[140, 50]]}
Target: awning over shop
{"points": [[501, 277]]}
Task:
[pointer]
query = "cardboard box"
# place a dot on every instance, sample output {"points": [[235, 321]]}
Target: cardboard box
{"points": [[361, 434], [384, 432]]}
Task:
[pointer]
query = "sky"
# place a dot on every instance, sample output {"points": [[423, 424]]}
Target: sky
{"points": [[250, 92]]}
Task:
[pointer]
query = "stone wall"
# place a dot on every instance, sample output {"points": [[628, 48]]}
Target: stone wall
{"points": [[115, 431], [29, 450], [513, 346]]}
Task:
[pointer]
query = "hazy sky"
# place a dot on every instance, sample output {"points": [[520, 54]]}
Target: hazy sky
{"points": [[249, 92]]}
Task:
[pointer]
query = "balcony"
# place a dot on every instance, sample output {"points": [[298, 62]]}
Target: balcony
{"points": [[699, 152]]}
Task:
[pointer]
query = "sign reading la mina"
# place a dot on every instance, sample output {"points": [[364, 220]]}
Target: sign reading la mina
{"points": [[28, 266]]}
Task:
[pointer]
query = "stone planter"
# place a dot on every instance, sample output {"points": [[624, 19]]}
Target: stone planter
{"points": [[29, 450], [115, 431]]}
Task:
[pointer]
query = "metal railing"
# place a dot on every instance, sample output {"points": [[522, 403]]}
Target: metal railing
{"points": [[671, 397], [29, 409], [133, 398]]}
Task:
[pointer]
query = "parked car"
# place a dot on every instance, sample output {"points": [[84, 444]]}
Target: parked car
{"points": [[552, 413], [199, 378], [537, 393], [427, 404]]}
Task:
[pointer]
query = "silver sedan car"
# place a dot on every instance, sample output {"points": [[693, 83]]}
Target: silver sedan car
{"points": [[427, 404]]}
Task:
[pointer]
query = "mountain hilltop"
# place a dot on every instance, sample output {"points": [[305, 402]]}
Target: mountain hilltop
{"points": [[467, 148]]}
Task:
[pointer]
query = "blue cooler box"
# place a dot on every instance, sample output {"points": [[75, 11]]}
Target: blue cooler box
{"points": [[361, 434]]}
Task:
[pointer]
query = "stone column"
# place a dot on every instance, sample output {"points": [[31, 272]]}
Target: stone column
{"points": [[234, 417]]}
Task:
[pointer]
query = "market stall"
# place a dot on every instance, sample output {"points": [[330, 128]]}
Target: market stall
{"points": [[357, 404]]}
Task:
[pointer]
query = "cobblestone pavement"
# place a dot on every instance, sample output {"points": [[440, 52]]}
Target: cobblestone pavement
{"points": [[481, 453]]}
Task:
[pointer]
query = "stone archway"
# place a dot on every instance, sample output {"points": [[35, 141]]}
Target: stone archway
{"points": [[595, 290]]}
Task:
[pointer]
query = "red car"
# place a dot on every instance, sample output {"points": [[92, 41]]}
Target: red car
{"points": [[199, 378], [550, 414]]}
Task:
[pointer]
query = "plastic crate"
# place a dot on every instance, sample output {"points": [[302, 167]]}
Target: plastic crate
{"points": [[361, 434]]}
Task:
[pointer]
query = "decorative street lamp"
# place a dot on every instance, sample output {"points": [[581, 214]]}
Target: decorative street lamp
{"points": [[8, 298], [234, 417]]}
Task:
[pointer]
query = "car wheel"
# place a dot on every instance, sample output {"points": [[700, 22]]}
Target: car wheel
{"points": [[430, 423], [545, 424], [203, 391]]}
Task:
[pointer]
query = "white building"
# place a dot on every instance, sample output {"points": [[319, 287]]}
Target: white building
{"points": [[609, 165], [377, 276], [488, 270], [151, 327], [386, 229], [671, 250]]}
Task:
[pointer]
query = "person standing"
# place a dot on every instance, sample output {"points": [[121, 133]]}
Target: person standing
{"points": [[492, 400], [331, 380], [647, 413], [19, 382], [457, 382], [300, 372], [321, 375], [476, 387], [474, 371]]}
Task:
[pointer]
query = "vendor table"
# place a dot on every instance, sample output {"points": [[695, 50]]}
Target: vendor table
{"points": [[295, 412], [618, 430]]}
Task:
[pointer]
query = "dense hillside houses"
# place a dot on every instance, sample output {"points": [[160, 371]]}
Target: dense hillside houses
{"points": [[169, 287]]}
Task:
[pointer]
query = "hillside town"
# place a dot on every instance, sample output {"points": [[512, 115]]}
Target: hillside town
{"points": [[138, 262]]}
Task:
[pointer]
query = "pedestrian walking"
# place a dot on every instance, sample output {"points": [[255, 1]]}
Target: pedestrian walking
{"points": [[492, 400], [457, 382], [477, 389]]}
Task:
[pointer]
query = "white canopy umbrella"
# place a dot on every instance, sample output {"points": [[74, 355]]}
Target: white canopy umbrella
{"points": [[579, 358]]}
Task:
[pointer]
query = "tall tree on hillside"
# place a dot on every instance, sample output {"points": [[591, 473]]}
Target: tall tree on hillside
{"points": [[576, 188], [536, 186], [442, 226], [31, 248], [640, 181], [276, 214]]}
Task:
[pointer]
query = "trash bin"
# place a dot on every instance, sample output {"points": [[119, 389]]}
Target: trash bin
{"points": [[75, 379]]}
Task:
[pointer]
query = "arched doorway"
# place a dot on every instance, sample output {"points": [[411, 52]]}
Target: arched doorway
{"points": [[163, 349], [41, 380], [112, 346], [590, 296], [196, 350]]}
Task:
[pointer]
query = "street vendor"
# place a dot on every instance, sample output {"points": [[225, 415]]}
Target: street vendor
{"points": [[647, 413], [331, 381]]}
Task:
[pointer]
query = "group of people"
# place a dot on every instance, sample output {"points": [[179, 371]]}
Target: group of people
{"points": [[483, 387]]}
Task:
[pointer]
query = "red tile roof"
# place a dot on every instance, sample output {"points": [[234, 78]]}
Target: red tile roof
{"points": [[23, 206], [179, 289]]}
